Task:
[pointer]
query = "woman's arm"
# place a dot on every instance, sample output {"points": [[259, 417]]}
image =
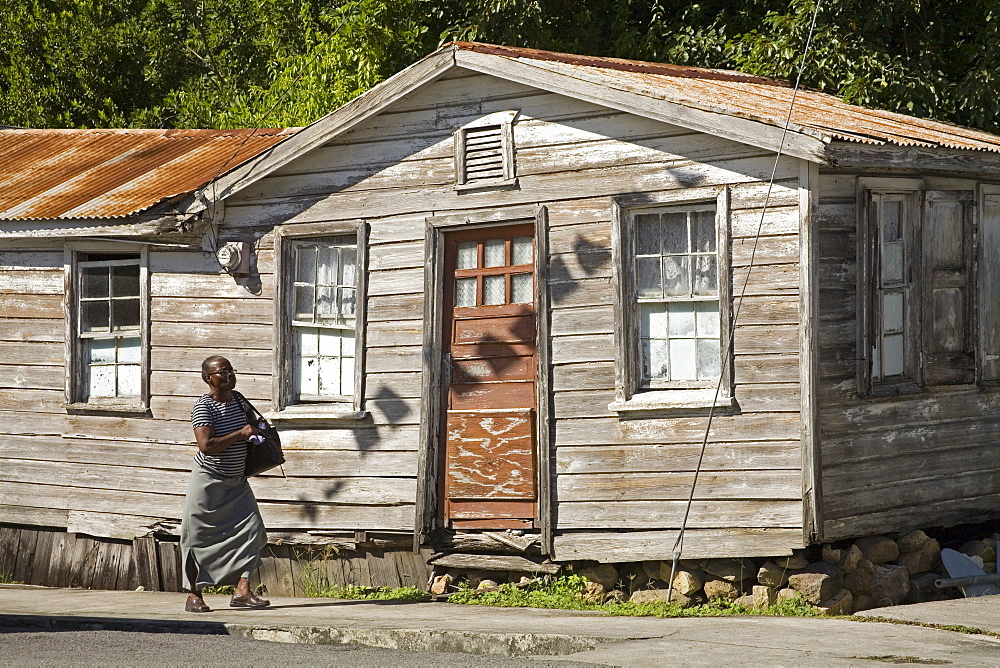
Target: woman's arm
{"points": [[210, 444]]}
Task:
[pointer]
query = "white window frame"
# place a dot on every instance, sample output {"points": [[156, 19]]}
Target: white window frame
{"points": [[78, 399], [631, 395], [289, 406], [504, 120], [873, 195]]}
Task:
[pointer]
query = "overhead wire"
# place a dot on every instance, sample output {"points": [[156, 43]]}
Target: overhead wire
{"points": [[678, 547]]}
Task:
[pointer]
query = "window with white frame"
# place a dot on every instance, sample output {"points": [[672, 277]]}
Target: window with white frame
{"points": [[109, 325], [324, 322], [672, 284]]}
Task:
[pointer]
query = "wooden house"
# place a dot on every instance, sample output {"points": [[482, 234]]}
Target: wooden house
{"points": [[497, 297]]}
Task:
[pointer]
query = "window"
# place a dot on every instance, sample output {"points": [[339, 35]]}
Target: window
{"points": [[320, 324], [324, 318], [484, 152], [672, 280], [109, 314]]}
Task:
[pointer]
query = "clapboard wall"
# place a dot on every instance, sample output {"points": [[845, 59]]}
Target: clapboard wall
{"points": [[900, 462]]}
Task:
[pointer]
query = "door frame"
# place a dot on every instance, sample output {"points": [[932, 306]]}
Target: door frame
{"points": [[433, 388]]}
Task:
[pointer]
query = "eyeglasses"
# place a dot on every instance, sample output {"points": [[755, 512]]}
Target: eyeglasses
{"points": [[224, 372]]}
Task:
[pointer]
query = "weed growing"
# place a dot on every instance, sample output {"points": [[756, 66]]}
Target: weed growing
{"points": [[566, 593], [403, 594]]}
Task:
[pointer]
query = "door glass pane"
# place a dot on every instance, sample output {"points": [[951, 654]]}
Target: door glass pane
{"points": [[892, 312], [306, 265], [520, 250], [706, 280], [681, 319], [892, 355], [95, 316], [129, 380], [892, 262], [683, 357], [675, 233], [467, 255], [709, 360], [652, 321], [494, 290], [125, 281], [465, 292], [707, 319], [675, 275], [95, 282], [656, 365], [520, 285], [703, 231], [125, 314], [647, 234], [493, 253], [648, 277], [891, 215]]}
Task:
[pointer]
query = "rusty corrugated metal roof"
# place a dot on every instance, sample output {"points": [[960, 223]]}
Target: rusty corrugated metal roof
{"points": [[73, 174], [747, 96]]}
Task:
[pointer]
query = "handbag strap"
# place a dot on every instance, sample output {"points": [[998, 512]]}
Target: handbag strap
{"points": [[247, 407]]}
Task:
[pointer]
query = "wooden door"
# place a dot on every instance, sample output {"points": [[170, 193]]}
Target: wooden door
{"points": [[488, 468]]}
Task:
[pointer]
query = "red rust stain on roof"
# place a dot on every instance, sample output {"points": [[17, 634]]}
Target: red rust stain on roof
{"points": [[48, 174]]}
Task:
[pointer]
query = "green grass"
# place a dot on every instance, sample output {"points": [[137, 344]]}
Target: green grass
{"points": [[410, 594], [564, 593], [7, 579]]}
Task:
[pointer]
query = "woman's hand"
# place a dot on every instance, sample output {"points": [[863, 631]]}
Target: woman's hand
{"points": [[210, 444]]}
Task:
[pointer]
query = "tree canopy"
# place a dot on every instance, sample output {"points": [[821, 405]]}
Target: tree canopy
{"points": [[249, 63]]}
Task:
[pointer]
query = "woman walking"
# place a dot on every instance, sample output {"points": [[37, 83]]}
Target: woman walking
{"points": [[222, 532]]}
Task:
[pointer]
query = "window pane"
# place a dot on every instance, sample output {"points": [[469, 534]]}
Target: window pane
{"points": [[494, 290], [101, 351], [101, 380], [703, 231], [129, 350], [329, 343], [652, 321], [682, 359], [520, 285], [892, 262], [125, 281], [465, 292], [326, 306], [648, 281], [347, 342], [329, 376], [892, 312], [655, 364], [347, 376], [308, 340], [347, 305], [308, 375], [304, 302], [125, 314], [892, 355], [707, 319], [709, 360], [891, 215], [95, 316], [493, 253], [327, 267], [706, 279], [348, 266], [95, 282], [675, 233], [129, 380], [467, 255], [681, 319], [306, 265], [521, 250], [647, 234], [675, 275]]}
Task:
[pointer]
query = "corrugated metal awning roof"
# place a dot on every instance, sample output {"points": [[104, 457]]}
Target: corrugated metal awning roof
{"points": [[81, 174], [752, 97]]}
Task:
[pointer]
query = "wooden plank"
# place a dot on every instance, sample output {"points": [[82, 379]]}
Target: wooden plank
{"points": [[40, 401], [169, 554], [146, 562], [912, 493], [495, 562], [32, 377], [950, 512], [755, 427], [705, 514], [751, 398], [8, 550], [670, 485], [195, 335], [614, 547], [31, 306], [33, 352], [41, 557], [26, 330], [653, 457], [60, 565], [27, 539]]}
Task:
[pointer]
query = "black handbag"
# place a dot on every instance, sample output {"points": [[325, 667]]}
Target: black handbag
{"points": [[267, 454]]}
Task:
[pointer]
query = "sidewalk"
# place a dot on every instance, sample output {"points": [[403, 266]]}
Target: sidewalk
{"points": [[525, 632]]}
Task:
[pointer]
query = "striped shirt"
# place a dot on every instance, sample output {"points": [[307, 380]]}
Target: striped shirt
{"points": [[223, 419]]}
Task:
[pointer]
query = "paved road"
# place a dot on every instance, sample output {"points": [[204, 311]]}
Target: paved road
{"points": [[123, 648]]}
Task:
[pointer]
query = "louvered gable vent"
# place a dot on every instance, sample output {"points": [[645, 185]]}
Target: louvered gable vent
{"points": [[484, 152]]}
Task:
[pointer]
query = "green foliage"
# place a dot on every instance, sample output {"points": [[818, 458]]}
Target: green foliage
{"points": [[227, 63], [566, 593], [402, 594]]}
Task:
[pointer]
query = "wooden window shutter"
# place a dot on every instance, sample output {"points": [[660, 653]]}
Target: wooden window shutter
{"points": [[988, 285], [947, 307]]}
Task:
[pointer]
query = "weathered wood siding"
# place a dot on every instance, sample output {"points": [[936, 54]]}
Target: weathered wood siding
{"points": [[892, 463], [612, 474]]}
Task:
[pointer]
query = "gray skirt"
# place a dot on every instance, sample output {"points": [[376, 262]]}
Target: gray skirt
{"points": [[222, 532]]}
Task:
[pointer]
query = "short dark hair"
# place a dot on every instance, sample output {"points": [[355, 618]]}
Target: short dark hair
{"points": [[206, 366]]}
